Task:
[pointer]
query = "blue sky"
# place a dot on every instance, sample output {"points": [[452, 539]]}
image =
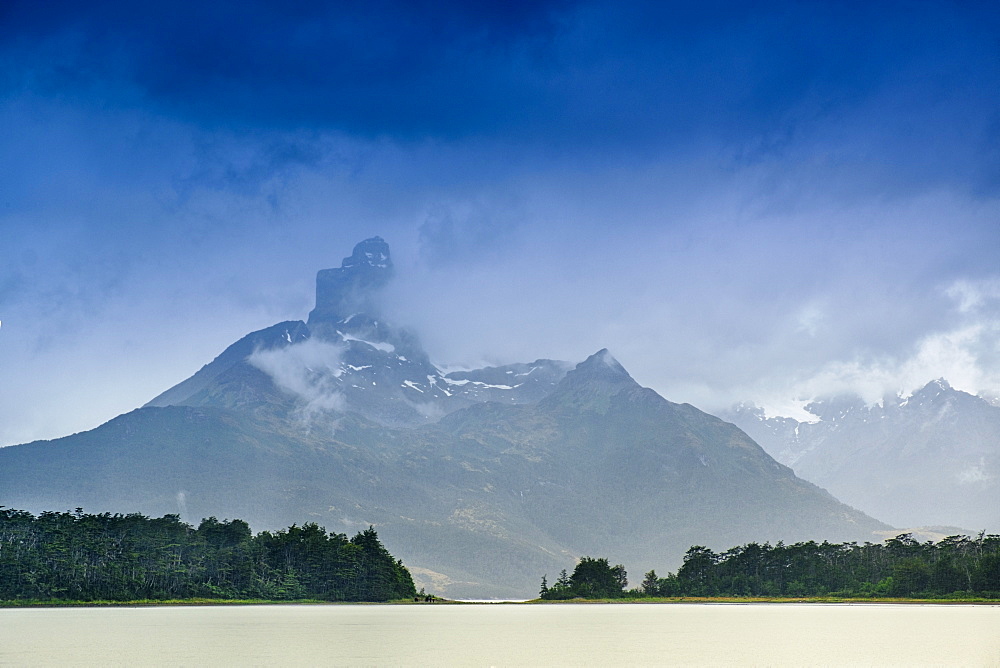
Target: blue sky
{"points": [[765, 201]]}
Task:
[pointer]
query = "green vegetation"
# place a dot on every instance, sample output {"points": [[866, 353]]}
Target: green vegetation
{"points": [[81, 557], [592, 578], [958, 567]]}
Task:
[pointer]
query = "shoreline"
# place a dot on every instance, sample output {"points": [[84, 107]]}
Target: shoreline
{"points": [[744, 600], [193, 602], [681, 600]]}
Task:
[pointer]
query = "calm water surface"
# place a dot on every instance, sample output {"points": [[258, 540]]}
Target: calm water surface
{"points": [[505, 635]]}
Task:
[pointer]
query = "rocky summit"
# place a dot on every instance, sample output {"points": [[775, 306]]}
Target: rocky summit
{"points": [[353, 287], [480, 480], [349, 358]]}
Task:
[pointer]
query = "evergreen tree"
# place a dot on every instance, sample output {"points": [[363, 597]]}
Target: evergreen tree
{"points": [[78, 556], [651, 584], [902, 566], [596, 578]]}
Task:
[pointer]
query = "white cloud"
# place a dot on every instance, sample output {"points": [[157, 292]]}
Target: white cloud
{"points": [[967, 355], [810, 319], [971, 296], [958, 356], [306, 370]]}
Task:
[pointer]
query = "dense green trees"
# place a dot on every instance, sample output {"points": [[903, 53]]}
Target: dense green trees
{"points": [[77, 556], [592, 578], [902, 566]]}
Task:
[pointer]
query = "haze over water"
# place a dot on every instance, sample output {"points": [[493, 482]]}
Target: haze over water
{"points": [[510, 635]]}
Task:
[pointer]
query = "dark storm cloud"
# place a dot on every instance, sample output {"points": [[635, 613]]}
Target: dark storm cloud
{"points": [[759, 77], [398, 68]]}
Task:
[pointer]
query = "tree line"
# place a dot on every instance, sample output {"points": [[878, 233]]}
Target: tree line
{"points": [[957, 566], [122, 557]]}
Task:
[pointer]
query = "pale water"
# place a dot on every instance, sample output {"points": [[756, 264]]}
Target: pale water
{"points": [[505, 635]]}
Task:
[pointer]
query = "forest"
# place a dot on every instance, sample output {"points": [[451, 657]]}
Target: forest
{"points": [[75, 556], [955, 567]]}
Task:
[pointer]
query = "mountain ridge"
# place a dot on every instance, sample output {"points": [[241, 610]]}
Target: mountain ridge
{"points": [[479, 479], [932, 457]]}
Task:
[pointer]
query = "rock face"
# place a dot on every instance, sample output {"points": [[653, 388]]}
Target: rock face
{"points": [[932, 458], [481, 480], [353, 287]]}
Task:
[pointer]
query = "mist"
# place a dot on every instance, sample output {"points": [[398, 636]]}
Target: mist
{"points": [[306, 370], [783, 203]]}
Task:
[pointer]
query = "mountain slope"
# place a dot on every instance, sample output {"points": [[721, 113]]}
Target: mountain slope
{"points": [[931, 458], [480, 480], [480, 503], [653, 477]]}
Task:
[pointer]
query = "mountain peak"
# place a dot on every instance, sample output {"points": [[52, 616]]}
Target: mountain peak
{"points": [[372, 252], [592, 383], [941, 384], [604, 364], [930, 391], [352, 288]]}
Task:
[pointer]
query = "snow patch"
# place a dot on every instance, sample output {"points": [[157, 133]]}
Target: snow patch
{"points": [[377, 345], [794, 409], [478, 383]]}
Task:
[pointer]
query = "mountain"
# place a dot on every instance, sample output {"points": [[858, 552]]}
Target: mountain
{"points": [[929, 458], [481, 480], [350, 360], [604, 466]]}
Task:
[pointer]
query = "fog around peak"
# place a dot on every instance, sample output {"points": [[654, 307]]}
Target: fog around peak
{"points": [[768, 203]]}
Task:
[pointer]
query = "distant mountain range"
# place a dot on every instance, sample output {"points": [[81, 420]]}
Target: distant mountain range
{"points": [[932, 458], [481, 481]]}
